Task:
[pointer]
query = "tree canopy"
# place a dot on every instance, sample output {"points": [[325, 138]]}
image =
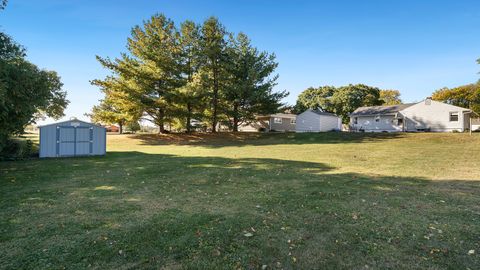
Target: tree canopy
{"points": [[341, 101], [466, 96], [390, 97], [174, 75], [26, 91]]}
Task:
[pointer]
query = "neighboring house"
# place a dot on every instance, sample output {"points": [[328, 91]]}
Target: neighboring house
{"points": [[317, 121], [275, 122], [476, 124], [427, 115], [112, 128]]}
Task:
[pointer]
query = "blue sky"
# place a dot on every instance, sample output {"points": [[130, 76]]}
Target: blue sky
{"points": [[413, 46]]}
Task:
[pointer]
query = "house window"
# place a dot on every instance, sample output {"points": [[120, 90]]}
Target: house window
{"points": [[377, 118], [293, 121], [399, 122], [355, 120], [454, 117], [277, 120]]}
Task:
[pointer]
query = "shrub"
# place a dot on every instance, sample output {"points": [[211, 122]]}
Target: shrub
{"points": [[17, 149]]}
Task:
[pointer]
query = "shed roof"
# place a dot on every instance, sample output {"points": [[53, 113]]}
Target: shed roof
{"points": [[71, 120], [280, 115], [374, 110], [319, 112]]}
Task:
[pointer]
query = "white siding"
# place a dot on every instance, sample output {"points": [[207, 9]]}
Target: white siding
{"points": [[435, 117], [385, 123], [329, 123], [309, 121]]}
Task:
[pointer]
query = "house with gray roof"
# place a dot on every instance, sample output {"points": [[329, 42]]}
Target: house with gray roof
{"points": [[283, 122], [318, 121], [427, 115]]}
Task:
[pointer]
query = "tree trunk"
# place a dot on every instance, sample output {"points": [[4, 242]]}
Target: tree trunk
{"points": [[120, 128], [160, 122], [235, 118], [189, 116], [215, 100]]}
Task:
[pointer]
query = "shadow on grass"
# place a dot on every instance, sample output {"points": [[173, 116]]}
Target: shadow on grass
{"points": [[246, 138], [138, 210]]}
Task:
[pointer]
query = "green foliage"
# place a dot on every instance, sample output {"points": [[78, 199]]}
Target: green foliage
{"points": [[17, 149], [133, 126], [213, 51], [390, 97], [341, 101], [26, 92], [466, 96], [177, 75], [151, 73], [316, 98], [250, 82]]}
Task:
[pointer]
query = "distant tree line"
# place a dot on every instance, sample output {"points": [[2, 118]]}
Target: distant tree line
{"points": [[27, 92], [172, 74], [344, 100]]}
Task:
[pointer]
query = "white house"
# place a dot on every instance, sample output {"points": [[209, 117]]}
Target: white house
{"points": [[427, 115], [317, 121]]}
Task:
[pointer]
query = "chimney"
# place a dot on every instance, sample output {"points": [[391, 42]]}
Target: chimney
{"points": [[428, 101]]}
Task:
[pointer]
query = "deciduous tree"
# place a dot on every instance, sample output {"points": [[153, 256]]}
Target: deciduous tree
{"points": [[390, 97], [467, 96], [26, 91]]}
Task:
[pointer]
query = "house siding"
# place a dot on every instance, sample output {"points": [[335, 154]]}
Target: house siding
{"points": [[368, 124], [329, 123], [434, 117], [309, 121], [254, 126], [286, 124]]}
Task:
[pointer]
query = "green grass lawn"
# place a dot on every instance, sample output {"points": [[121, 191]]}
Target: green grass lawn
{"points": [[287, 201]]}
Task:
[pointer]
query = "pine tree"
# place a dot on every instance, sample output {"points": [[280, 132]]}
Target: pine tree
{"points": [[249, 91], [213, 47], [152, 69]]}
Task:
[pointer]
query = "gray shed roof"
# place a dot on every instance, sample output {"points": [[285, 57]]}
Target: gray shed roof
{"points": [[374, 110], [323, 113], [71, 120]]}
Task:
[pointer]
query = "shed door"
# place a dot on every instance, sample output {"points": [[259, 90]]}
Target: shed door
{"points": [[74, 141]]}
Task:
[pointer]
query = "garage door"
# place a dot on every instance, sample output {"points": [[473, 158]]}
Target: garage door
{"points": [[74, 141]]}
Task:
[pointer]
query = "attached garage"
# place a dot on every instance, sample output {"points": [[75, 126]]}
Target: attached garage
{"points": [[72, 138], [318, 121]]}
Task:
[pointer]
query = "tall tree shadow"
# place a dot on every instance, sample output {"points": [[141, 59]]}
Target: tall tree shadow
{"points": [[243, 139], [138, 210]]}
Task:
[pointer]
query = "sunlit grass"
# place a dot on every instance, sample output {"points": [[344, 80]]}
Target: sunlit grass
{"points": [[228, 201]]}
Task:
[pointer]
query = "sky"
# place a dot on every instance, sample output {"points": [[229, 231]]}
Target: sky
{"points": [[416, 47]]}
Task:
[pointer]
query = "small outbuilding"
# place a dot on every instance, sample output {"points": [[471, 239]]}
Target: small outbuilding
{"points": [[318, 121], [72, 138]]}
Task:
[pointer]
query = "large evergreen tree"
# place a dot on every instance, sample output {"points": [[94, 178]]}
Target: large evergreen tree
{"points": [[152, 68], [191, 96], [213, 50], [250, 82]]}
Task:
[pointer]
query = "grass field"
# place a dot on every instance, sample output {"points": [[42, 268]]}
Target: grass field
{"points": [[284, 201]]}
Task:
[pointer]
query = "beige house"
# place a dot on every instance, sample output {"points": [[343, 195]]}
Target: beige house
{"points": [[427, 115], [283, 122]]}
